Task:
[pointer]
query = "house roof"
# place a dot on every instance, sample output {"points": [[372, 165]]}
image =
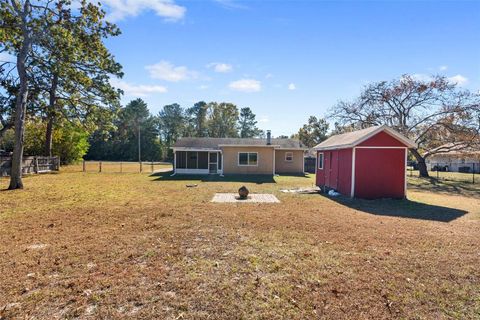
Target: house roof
{"points": [[351, 139], [215, 143]]}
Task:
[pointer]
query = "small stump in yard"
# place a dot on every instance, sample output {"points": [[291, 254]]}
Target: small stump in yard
{"points": [[243, 193]]}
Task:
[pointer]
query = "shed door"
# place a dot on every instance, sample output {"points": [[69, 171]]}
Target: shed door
{"points": [[380, 173], [334, 169], [331, 169]]}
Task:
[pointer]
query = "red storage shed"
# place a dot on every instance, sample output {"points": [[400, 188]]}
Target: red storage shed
{"points": [[368, 163]]}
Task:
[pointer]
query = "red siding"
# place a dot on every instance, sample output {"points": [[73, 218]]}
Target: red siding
{"points": [[337, 170], [382, 139], [379, 173], [345, 171]]}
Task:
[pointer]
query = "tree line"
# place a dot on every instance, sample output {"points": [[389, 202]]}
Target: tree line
{"points": [[134, 125]]}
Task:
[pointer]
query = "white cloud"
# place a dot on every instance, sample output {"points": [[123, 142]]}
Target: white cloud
{"points": [[203, 87], [164, 70], [220, 67], [458, 79], [292, 86], [268, 76], [246, 85], [120, 9], [137, 90], [443, 68]]}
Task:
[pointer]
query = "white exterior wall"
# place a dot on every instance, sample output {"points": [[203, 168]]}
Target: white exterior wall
{"points": [[453, 162]]}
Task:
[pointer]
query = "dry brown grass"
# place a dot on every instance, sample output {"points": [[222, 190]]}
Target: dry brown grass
{"points": [[92, 245]]}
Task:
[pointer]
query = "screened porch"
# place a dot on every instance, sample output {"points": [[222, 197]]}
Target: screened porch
{"points": [[198, 162]]}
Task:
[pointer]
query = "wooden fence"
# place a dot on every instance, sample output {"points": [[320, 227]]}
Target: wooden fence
{"points": [[30, 165], [93, 166]]}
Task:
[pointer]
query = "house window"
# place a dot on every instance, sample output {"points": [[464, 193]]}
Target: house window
{"points": [[320, 161], [289, 156], [247, 158]]}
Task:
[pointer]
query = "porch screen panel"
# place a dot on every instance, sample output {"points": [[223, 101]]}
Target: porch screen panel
{"points": [[181, 159], [192, 159], [219, 161], [203, 160]]}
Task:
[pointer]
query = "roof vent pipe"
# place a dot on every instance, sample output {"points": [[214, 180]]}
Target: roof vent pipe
{"points": [[269, 137]]}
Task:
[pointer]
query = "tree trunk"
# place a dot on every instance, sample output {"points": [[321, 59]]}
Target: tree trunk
{"points": [[49, 136], [51, 116], [422, 166], [20, 110], [21, 103]]}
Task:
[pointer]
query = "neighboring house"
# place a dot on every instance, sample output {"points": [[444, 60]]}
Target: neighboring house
{"points": [[368, 163], [238, 156], [466, 160]]}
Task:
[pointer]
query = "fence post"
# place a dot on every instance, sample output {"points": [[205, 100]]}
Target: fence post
{"points": [[35, 164], [84, 169], [140, 166], [100, 166], [121, 166], [152, 166], [473, 174], [437, 171]]}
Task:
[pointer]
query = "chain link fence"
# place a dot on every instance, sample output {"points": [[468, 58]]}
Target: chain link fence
{"points": [[466, 172]]}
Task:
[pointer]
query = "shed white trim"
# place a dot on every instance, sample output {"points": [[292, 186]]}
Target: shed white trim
{"points": [[405, 169], [352, 188], [353, 139]]}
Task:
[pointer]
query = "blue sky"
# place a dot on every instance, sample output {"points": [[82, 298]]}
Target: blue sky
{"points": [[287, 60]]}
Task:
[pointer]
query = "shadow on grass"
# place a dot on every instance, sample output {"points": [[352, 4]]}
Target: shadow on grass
{"points": [[402, 208], [450, 187], [247, 178]]}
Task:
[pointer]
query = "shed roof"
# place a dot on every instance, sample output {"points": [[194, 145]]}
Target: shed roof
{"points": [[215, 143], [351, 139]]}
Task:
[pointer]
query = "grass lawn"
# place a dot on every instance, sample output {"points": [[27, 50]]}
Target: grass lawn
{"points": [[108, 245]]}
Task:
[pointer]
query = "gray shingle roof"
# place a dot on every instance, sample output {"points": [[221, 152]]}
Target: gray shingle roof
{"points": [[214, 143], [350, 139]]}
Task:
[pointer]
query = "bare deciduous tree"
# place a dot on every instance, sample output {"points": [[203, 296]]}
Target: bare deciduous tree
{"points": [[436, 114]]}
